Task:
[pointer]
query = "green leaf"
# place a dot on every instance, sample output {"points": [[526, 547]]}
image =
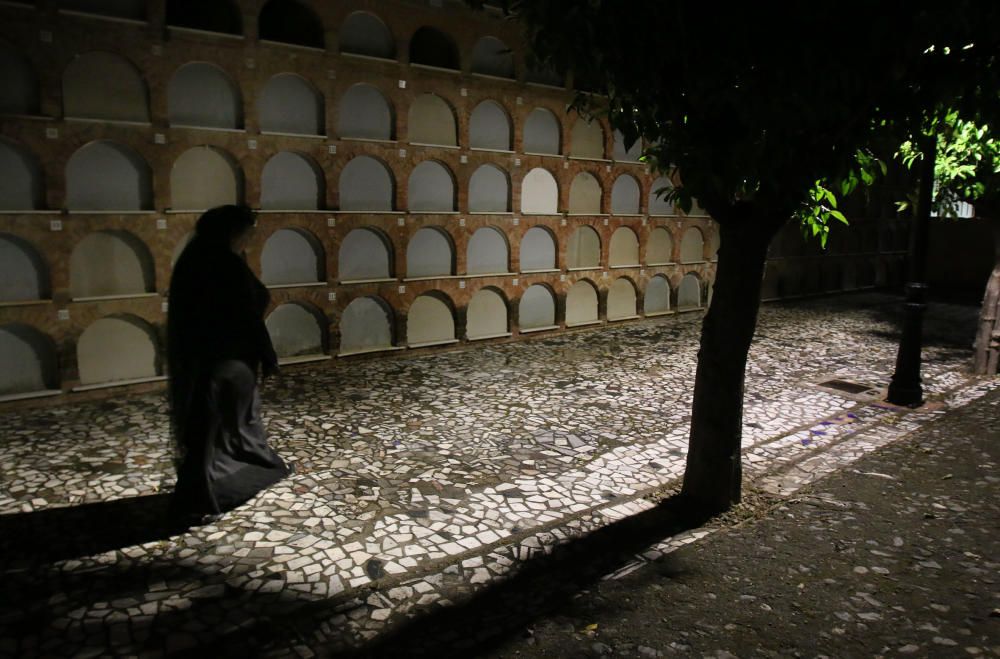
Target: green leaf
{"points": [[839, 216]]}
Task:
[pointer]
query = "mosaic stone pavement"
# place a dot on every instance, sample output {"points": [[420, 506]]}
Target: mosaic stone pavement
{"points": [[421, 480]]}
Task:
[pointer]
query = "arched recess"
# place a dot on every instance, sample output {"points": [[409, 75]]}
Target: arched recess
{"points": [[29, 360], [541, 132], [289, 104], [624, 248], [657, 297], [366, 185], [365, 114], [23, 187], [537, 308], [364, 254], [204, 177], [202, 94], [110, 263], [366, 325], [292, 256], [539, 193], [689, 292], [692, 246], [288, 21], [431, 121], [658, 205], [23, 272], [492, 57], [105, 176], [659, 247], [585, 195], [622, 300], [291, 181], [99, 85], [432, 47], [587, 140], [621, 154], [487, 315], [490, 127], [538, 250], [430, 320], [19, 91], [489, 190], [431, 188], [625, 196], [116, 349], [363, 33], [212, 16], [581, 304], [131, 9], [430, 253], [487, 253], [297, 330], [584, 249]]}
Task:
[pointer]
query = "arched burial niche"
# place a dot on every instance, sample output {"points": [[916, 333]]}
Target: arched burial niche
{"points": [[131, 9], [489, 127], [539, 193], [489, 190], [486, 316], [537, 309], [431, 188], [212, 16], [430, 320], [432, 47], [541, 132], [587, 140], [364, 255], [364, 114], [117, 349], [492, 57], [201, 94], [581, 304], [431, 121], [99, 85], [366, 325], [659, 247], [204, 177], [625, 196], [584, 249], [19, 91], [289, 104], [692, 246], [23, 273], [363, 33], [538, 250], [487, 253], [621, 154], [657, 297], [624, 248], [689, 292], [292, 256], [291, 182], [366, 185], [292, 22], [21, 174], [296, 331], [104, 176], [585, 195], [29, 361], [622, 300], [658, 204], [110, 263], [430, 254]]}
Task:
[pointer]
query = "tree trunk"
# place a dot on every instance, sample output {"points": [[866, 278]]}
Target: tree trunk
{"points": [[712, 478], [987, 343]]}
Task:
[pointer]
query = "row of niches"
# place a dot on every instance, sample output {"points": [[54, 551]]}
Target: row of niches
{"points": [[116, 263], [361, 33], [108, 176], [125, 348], [103, 86]]}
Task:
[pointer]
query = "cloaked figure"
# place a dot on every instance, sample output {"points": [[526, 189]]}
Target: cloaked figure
{"points": [[216, 345]]}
